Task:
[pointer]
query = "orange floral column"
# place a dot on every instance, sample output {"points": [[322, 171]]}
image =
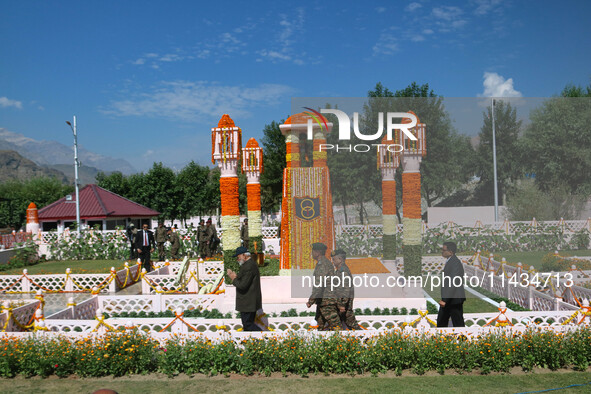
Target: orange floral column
{"points": [[388, 162], [226, 149]]}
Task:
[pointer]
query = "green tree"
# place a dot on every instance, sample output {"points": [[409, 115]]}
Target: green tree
{"points": [[447, 164], [115, 182], [273, 144], [558, 144], [191, 182], [17, 195], [509, 152]]}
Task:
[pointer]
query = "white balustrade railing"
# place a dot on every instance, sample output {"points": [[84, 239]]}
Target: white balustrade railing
{"points": [[476, 322], [15, 319], [64, 283]]}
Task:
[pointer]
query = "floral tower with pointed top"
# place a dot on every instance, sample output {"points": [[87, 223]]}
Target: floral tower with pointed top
{"points": [[388, 163], [226, 141], [412, 242], [306, 208], [252, 166]]}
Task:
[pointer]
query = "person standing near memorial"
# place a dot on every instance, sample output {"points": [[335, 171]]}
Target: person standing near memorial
{"points": [[346, 292], [130, 232], [244, 234], [144, 244], [175, 243], [161, 238], [248, 289], [211, 235], [453, 294], [201, 239], [323, 269]]}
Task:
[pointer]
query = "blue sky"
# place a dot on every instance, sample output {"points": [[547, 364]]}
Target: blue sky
{"points": [[148, 79]]}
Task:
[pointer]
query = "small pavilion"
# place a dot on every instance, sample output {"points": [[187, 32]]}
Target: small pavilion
{"points": [[97, 207]]}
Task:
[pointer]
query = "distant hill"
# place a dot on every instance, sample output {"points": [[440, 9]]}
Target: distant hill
{"points": [[15, 167], [52, 152]]}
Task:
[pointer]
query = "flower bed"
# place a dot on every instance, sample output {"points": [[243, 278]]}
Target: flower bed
{"points": [[130, 353]]}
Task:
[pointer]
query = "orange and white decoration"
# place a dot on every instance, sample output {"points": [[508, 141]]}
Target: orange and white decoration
{"points": [[388, 163], [32, 219], [226, 142], [252, 166]]}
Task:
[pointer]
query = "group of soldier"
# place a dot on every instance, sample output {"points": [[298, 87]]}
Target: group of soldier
{"points": [[334, 303], [162, 235]]}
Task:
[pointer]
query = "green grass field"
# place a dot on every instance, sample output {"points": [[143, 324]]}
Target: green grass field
{"points": [[471, 305], [535, 258], [498, 383]]}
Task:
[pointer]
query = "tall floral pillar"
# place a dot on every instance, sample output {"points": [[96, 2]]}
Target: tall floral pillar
{"points": [[306, 209], [226, 147], [388, 162], [412, 242], [252, 166]]}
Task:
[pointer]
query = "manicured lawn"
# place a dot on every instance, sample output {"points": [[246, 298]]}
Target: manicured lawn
{"points": [[77, 267], [499, 383], [471, 305], [535, 258]]}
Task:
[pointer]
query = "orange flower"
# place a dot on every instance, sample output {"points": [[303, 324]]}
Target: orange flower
{"points": [[411, 195], [389, 197], [229, 196], [253, 192]]}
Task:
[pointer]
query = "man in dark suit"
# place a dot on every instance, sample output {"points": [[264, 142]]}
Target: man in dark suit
{"points": [[248, 289], [453, 294], [144, 243]]}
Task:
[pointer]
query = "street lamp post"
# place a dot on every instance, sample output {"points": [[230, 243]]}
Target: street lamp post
{"points": [[494, 144], [76, 182]]}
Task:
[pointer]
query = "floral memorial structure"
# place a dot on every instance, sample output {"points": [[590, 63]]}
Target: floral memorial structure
{"points": [[306, 209]]}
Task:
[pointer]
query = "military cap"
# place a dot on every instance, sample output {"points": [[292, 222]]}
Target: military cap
{"points": [[339, 252], [319, 246]]}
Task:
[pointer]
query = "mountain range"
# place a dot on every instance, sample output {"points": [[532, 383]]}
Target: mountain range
{"points": [[52, 153]]}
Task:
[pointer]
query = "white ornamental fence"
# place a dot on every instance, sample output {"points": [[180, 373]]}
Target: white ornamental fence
{"points": [[70, 283], [228, 329], [375, 230]]}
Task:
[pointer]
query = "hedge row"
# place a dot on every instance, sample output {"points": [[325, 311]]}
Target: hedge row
{"points": [[131, 353]]}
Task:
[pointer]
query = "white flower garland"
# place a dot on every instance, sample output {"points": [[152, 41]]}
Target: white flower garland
{"points": [[231, 226], [412, 231]]}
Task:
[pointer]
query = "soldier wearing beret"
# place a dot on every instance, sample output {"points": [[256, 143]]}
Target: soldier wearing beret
{"points": [[346, 292]]}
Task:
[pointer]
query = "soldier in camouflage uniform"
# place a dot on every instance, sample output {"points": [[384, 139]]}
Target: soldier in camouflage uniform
{"points": [[161, 238], [175, 243], [326, 312], [346, 292], [202, 239]]}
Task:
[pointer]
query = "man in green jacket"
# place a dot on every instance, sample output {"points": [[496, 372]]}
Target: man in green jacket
{"points": [[248, 289]]}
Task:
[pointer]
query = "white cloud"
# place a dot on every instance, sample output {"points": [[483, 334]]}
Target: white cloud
{"points": [[447, 13], [139, 62], [417, 38], [5, 102], [386, 45], [496, 85], [193, 101], [412, 7], [484, 6], [381, 9], [148, 153], [274, 55], [427, 31]]}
